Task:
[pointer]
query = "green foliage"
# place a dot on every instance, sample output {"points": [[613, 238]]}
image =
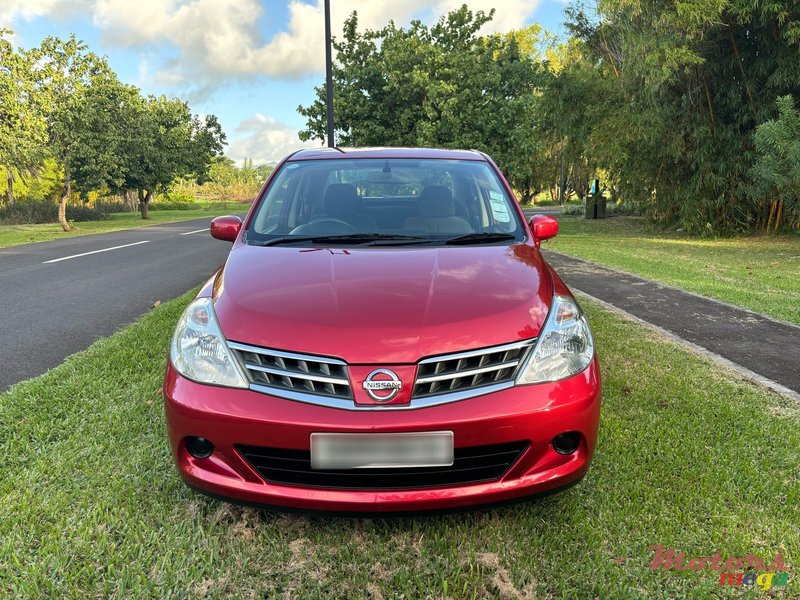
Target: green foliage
{"points": [[776, 171], [23, 127], [68, 122], [163, 142], [226, 181], [82, 95], [682, 87], [223, 171], [40, 182], [441, 86]]}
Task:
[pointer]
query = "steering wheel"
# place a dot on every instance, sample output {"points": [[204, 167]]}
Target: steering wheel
{"points": [[324, 226]]}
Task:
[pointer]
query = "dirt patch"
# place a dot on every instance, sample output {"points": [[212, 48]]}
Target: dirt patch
{"points": [[500, 577]]}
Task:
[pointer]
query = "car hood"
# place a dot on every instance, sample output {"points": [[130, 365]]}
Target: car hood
{"points": [[382, 306]]}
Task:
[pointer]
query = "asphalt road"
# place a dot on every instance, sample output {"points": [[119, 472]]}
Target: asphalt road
{"points": [[765, 347], [54, 303]]}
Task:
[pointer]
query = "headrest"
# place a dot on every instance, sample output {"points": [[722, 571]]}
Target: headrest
{"points": [[436, 201], [342, 199]]}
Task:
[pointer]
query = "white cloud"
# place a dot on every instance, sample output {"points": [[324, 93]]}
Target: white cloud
{"points": [[10, 10], [220, 40], [265, 140]]}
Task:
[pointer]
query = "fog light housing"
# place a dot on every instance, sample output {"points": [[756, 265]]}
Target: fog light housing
{"points": [[567, 443], [199, 447]]}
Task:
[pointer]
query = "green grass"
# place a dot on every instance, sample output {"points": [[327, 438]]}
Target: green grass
{"points": [[12, 235], [689, 456], [761, 273]]}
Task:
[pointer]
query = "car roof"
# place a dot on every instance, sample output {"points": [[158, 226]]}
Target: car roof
{"points": [[440, 153]]}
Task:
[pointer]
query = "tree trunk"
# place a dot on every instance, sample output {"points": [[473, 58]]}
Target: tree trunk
{"points": [[778, 216], [10, 188], [62, 203], [130, 200], [144, 200]]}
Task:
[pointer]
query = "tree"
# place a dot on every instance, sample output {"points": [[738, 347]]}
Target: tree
{"points": [[442, 86], [776, 171], [84, 102], [685, 84], [164, 142], [23, 127]]}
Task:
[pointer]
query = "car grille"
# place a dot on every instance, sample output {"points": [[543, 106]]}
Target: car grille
{"points": [[470, 465], [466, 371], [280, 372]]}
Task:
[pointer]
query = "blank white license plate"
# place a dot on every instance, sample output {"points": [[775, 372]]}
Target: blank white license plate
{"points": [[381, 450]]}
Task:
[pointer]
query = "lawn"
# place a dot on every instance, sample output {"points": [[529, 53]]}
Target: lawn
{"points": [[11, 235], [689, 456], [761, 273]]}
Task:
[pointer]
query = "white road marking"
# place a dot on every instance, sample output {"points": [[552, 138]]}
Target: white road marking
{"points": [[55, 260], [196, 231]]}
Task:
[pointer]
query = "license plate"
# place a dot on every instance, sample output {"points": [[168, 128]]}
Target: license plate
{"points": [[381, 450]]}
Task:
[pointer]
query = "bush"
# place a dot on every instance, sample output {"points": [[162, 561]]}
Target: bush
{"points": [[612, 209], [45, 211], [180, 197], [173, 200], [106, 206]]}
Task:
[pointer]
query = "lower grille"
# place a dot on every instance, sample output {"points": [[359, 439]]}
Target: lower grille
{"points": [[471, 465]]}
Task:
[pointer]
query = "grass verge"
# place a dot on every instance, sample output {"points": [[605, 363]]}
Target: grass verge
{"points": [[761, 273], [689, 456], [12, 235]]}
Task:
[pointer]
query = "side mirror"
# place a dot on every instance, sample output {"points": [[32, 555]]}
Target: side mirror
{"points": [[226, 228], [543, 228]]}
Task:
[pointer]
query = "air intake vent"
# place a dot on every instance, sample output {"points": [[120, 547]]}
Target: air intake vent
{"points": [[471, 465]]}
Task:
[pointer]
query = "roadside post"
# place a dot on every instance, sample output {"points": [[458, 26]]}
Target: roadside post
{"points": [[595, 202]]}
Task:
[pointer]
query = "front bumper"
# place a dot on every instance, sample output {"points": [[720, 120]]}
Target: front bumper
{"points": [[233, 417]]}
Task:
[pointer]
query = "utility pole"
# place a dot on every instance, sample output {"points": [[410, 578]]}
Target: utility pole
{"points": [[329, 76]]}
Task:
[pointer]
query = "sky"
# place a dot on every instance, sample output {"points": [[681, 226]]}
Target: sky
{"points": [[250, 62]]}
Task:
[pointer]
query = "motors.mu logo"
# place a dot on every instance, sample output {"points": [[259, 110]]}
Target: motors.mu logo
{"points": [[749, 571]]}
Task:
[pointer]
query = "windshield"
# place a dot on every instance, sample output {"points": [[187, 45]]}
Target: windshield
{"points": [[385, 202]]}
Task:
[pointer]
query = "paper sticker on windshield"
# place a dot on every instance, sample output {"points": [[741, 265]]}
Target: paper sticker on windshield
{"points": [[499, 207]]}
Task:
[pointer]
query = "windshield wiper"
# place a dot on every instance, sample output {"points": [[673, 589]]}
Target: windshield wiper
{"points": [[480, 238], [349, 238]]}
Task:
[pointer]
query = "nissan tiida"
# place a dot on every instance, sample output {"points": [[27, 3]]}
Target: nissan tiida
{"points": [[385, 336]]}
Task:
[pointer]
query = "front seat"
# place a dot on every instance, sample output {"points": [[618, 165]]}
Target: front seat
{"points": [[342, 202], [437, 213]]}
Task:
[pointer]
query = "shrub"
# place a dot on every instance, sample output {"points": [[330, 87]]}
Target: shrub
{"points": [[45, 211], [612, 209], [173, 200]]}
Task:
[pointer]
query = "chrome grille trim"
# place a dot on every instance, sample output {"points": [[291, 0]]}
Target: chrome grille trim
{"points": [[284, 354], [291, 375], [472, 353], [469, 374], [284, 373], [333, 372]]}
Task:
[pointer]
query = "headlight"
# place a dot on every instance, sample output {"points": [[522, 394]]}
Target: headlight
{"points": [[199, 350], [564, 348]]}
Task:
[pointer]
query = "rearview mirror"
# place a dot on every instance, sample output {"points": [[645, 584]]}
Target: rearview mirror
{"points": [[543, 228], [226, 228]]}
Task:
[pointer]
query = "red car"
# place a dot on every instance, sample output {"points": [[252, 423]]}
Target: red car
{"points": [[385, 336]]}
